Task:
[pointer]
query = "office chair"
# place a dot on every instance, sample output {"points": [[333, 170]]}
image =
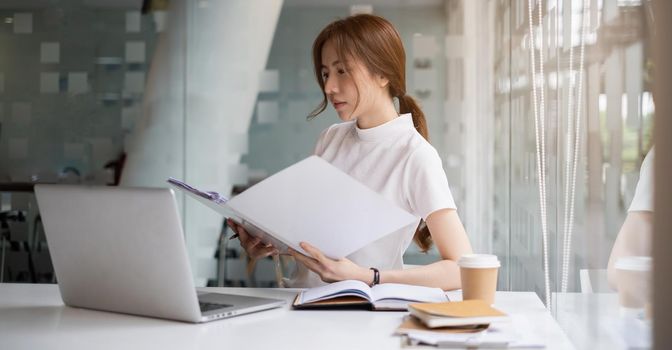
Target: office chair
{"points": [[10, 241], [235, 269], [16, 265], [40, 258]]}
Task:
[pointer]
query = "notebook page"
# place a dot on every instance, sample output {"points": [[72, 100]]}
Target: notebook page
{"points": [[515, 335], [408, 292], [342, 288]]}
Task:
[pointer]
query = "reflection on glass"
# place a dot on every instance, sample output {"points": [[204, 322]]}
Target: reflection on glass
{"points": [[629, 269], [580, 70]]}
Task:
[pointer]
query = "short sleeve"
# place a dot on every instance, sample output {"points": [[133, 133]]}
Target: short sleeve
{"points": [[643, 199], [426, 183]]}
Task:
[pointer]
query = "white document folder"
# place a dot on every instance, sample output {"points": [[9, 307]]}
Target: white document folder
{"points": [[313, 201]]}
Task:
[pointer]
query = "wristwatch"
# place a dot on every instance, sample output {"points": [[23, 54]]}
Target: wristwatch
{"points": [[376, 276]]}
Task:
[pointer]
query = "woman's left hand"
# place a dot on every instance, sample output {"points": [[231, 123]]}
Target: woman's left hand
{"points": [[331, 270]]}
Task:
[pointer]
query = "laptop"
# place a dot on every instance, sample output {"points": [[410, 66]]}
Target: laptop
{"points": [[122, 250]]}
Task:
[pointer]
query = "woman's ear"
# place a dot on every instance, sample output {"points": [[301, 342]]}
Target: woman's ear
{"points": [[382, 81]]}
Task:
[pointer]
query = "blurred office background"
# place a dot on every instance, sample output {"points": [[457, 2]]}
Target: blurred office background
{"points": [[541, 111]]}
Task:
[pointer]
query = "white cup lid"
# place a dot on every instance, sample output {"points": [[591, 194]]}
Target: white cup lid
{"points": [[478, 261], [634, 263]]}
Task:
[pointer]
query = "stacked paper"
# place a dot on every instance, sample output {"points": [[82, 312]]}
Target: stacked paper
{"points": [[516, 334]]}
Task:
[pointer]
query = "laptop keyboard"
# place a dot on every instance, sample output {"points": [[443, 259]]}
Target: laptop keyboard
{"points": [[205, 307]]}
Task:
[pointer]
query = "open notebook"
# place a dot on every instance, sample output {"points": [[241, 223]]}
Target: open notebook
{"points": [[311, 201], [349, 293]]}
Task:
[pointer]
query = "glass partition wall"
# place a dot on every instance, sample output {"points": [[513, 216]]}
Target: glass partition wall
{"points": [[72, 83], [573, 118]]}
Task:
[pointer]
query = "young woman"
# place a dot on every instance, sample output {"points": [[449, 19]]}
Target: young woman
{"points": [[360, 66]]}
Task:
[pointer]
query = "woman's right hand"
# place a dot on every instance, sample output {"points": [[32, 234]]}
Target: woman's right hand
{"points": [[254, 248]]}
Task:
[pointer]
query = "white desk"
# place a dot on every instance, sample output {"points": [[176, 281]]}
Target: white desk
{"points": [[34, 317]]}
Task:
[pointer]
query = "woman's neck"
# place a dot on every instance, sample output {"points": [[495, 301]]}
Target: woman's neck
{"points": [[377, 116]]}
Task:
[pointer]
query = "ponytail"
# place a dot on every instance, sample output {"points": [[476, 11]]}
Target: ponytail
{"points": [[407, 104]]}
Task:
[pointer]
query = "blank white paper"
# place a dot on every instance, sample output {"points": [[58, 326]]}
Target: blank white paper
{"points": [[306, 201]]}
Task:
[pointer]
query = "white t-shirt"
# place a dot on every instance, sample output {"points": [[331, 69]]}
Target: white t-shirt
{"points": [[394, 160], [643, 198]]}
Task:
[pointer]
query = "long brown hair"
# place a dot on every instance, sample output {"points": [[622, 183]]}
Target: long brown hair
{"points": [[373, 41]]}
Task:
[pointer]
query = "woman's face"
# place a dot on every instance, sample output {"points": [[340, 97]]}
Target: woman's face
{"points": [[341, 80]]}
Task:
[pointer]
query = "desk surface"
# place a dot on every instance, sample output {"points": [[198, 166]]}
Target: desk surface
{"points": [[594, 321], [34, 317]]}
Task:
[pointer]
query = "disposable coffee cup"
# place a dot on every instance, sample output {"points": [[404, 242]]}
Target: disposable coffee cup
{"points": [[478, 273], [633, 274]]}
